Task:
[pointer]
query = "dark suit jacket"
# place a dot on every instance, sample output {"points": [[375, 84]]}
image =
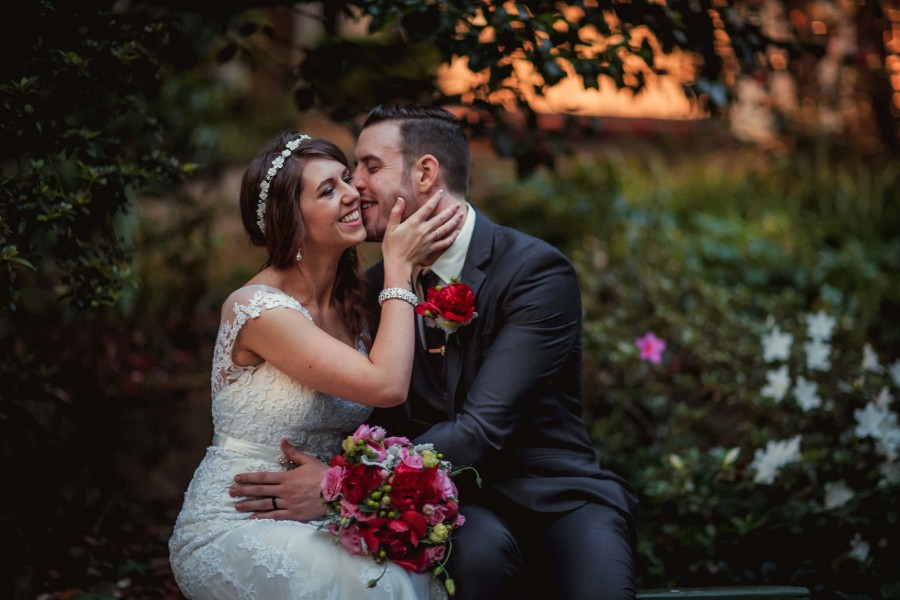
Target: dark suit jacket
{"points": [[507, 399]]}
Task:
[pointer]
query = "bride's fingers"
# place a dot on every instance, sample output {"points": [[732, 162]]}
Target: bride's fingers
{"points": [[396, 215], [445, 221], [444, 241], [442, 234], [425, 210]]}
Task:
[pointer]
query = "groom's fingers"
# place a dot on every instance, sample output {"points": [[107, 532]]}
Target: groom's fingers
{"points": [[259, 478], [258, 488], [258, 506], [292, 454]]}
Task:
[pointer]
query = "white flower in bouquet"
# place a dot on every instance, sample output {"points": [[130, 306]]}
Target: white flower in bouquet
{"points": [[768, 463]]}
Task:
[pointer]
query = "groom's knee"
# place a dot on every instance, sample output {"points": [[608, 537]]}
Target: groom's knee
{"points": [[486, 562]]}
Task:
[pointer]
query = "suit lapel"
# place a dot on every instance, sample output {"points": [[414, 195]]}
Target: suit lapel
{"points": [[474, 276]]}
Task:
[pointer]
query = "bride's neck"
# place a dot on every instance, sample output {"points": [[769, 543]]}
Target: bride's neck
{"points": [[312, 280]]}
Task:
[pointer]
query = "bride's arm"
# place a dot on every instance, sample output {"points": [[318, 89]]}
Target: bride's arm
{"points": [[295, 346]]}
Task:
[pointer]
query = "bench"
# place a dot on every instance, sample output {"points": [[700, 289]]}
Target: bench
{"points": [[768, 592]]}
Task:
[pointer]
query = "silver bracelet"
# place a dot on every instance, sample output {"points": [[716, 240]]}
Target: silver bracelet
{"points": [[398, 294]]}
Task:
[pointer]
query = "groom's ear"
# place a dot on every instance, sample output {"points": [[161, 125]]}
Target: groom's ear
{"points": [[425, 173]]}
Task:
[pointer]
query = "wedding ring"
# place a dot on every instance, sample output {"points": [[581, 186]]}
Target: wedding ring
{"points": [[274, 506]]}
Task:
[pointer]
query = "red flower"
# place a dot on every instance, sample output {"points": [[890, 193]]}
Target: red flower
{"points": [[417, 563], [360, 481], [449, 306], [413, 488]]}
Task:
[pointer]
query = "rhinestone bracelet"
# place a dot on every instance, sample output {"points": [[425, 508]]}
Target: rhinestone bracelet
{"points": [[398, 294]]}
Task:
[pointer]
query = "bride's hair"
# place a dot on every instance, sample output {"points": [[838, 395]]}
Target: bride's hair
{"points": [[283, 223]]}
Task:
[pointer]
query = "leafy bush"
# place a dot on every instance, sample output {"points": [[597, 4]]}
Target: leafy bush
{"points": [[756, 463]]}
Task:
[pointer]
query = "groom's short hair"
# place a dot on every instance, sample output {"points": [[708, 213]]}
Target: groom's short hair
{"points": [[430, 130]]}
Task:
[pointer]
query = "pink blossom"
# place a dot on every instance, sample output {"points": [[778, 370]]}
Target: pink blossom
{"points": [[380, 453], [651, 347], [446, 485], [368, 432], [332, 481], [396, 441], [350, 510], [435, 513], [410, 459], [435, 554], [351, 539]]}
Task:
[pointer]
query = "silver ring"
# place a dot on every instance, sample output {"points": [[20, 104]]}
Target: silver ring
{"points": [[274, 506]]}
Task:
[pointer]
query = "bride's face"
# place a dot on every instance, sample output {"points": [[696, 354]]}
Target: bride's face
{"points": [[329, 204]]}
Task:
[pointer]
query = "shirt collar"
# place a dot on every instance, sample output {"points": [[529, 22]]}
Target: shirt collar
{"points": [[450, 263]]}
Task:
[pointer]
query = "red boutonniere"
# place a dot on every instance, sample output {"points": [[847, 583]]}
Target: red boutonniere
{"points": [[448, 307]]}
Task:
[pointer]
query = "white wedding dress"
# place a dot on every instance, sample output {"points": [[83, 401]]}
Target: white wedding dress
{"points": [[217, 552]]}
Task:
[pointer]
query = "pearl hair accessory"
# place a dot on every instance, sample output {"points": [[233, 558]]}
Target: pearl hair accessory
{"points": [[270, 174]]}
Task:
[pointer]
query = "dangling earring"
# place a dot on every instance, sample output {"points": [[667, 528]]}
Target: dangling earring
{"points": [[299, 256]]}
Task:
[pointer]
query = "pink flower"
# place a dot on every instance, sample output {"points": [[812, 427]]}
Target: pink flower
{"points": [[350, 510], [332, 481], [351, 539], [410, 459], [446, 486], [368, 432], [435, 513], [396, 441], [434, 554], [651, 347]]}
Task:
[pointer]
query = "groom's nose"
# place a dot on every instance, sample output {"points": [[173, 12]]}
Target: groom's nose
{"points": [[358, 180]]}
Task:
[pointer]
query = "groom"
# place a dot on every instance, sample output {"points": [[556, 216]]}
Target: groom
{"points": [[502, 393]]}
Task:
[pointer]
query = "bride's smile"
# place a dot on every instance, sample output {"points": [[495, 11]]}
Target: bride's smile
{"points": [[331, 209]]}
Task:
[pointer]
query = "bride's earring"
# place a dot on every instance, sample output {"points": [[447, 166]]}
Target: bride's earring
{"points": [[299, 255]]}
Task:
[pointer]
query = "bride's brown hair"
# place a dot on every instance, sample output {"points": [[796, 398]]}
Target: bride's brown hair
{"points": [[283, 223]]}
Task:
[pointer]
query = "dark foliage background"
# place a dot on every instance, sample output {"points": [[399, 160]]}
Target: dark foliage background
{"points": [[121, 124]]}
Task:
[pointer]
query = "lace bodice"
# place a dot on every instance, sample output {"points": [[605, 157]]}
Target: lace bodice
{"points": [[262, 405]]}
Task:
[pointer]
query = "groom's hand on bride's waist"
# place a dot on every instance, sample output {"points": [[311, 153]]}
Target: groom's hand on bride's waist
{"points": [[292, 495]]}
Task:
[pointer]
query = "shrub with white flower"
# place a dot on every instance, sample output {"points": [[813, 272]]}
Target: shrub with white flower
{"points": [[820, 452], [873, 416], [768, 463]]}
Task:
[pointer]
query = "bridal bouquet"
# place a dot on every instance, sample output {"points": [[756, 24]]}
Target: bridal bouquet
{"points": [[392, 500]]}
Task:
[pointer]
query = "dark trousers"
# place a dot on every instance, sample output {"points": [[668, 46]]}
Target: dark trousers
{"points": [[515, 553]]}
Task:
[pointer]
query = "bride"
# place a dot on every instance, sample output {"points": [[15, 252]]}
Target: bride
{"points": [[290, 363]]}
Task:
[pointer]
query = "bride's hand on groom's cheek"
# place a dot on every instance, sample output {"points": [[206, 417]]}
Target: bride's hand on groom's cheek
{"points": [[286, 495]]}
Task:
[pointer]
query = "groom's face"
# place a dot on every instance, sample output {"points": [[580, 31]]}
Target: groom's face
{"points": [[380, 177]]}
